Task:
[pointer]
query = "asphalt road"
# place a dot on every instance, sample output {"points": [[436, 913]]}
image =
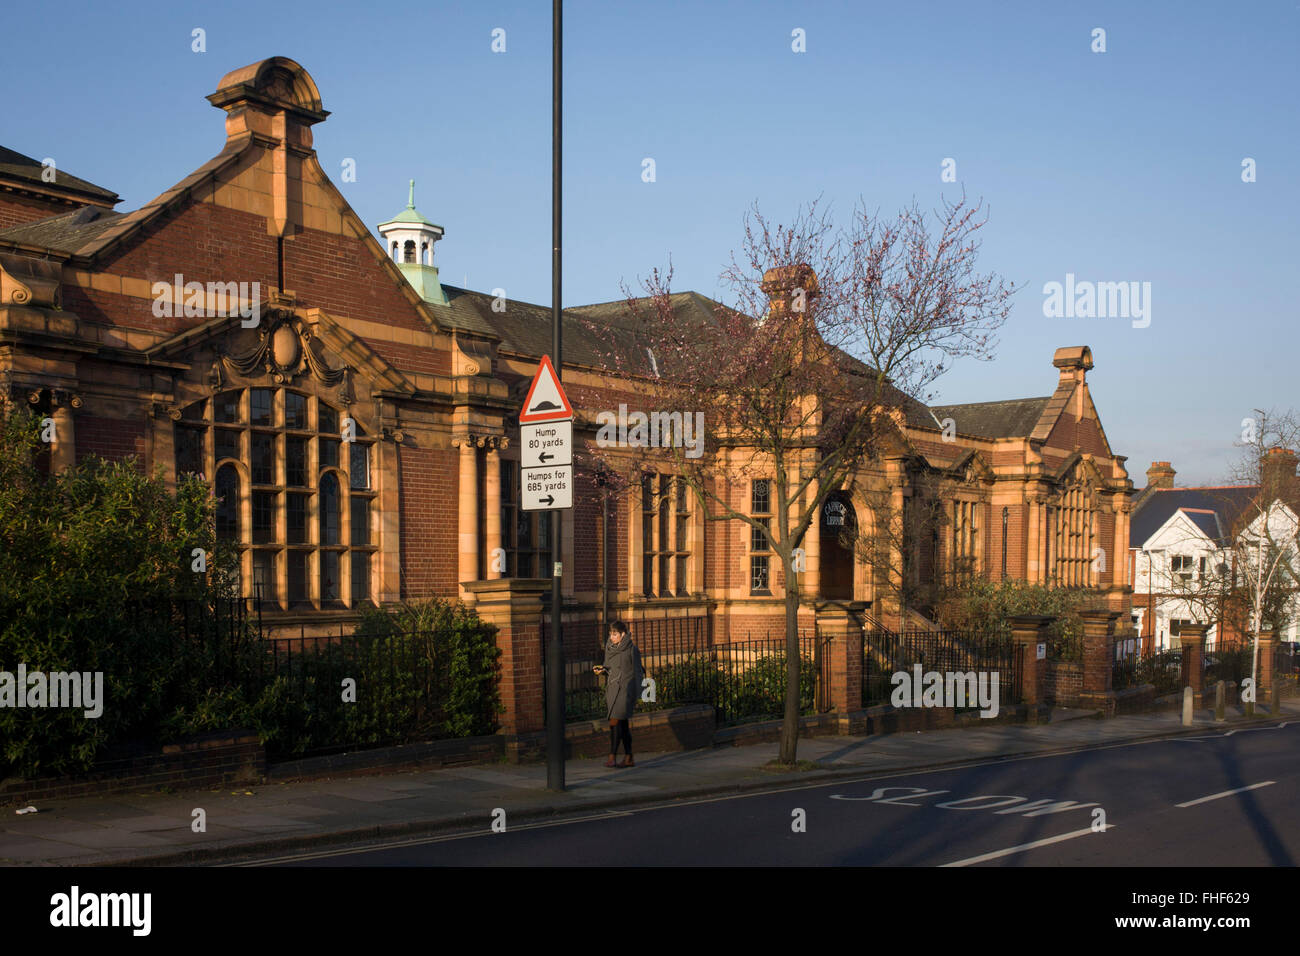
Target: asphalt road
{"points": [[1165, 803]]}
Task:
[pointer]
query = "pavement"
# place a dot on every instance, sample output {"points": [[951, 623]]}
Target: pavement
{"points": [[157, 828]]}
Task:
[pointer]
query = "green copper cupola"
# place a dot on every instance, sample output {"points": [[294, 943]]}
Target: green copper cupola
{"points": [[409, 237]]}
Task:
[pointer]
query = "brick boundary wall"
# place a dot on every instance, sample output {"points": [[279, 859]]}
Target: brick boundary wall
{"points": [[887, 719], [432, 755], [210, 761], [677, 728], [1063, 683]]}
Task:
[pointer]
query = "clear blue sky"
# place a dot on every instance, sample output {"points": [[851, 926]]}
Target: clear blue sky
{"points": [[1115, 166]]}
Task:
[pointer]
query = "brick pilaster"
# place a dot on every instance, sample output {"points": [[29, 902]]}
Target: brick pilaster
{"points": [[1267, 645], [845, 649], [514, 606], [1192, 637], [1098, 660], [1027, 631]]}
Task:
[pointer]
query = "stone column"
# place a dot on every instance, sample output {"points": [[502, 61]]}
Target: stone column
{"points": [[514, 606], [63, 450], [1034, 539], [1027, 631], [388, 575], [467, 513], [1098, 659], [492, 502], [897, 583], [812, 543], [1192, 638]]}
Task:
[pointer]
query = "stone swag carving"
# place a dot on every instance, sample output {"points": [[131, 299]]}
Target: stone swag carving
{"points": [[284, 345]]}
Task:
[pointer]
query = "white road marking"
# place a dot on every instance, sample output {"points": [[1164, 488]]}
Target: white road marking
{"points": [[1229, 733], [1226, 793], [970, 861]]}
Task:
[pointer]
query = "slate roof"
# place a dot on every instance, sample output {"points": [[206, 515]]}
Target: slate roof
{"points": [[1225, 503], [66, 232], [1207, 520], [591, 331], [15, 166], [1012, 418]]}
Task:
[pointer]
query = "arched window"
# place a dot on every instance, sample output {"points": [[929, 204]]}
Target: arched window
{"points": [[303, 481], [408, 251], [1073, 530], [329, 510], [424, 254], [395, 257], [227, 492]]}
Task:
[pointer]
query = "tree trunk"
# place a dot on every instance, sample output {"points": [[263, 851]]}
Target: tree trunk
{"points": [[790, 728]]}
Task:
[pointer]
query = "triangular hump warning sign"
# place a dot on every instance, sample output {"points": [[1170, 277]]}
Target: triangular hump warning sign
{"points": [[546, 401]]}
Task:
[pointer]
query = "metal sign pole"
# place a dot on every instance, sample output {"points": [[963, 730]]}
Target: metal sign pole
{"points": [[555, 647]]}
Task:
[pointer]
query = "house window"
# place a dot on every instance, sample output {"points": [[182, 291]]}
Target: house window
{"points": [[965, 540], [665, 536], [297, 544], [681, 538], [1180, 568], [525, 535], [760, 550]]}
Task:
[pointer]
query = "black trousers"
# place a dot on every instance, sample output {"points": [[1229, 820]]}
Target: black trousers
{"points": [[621, 731]]}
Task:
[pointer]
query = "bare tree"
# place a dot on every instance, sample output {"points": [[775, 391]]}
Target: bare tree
{"points": [[803, 376]]}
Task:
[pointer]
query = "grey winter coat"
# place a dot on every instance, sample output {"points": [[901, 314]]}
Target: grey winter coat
{"points": [[623, 677]]}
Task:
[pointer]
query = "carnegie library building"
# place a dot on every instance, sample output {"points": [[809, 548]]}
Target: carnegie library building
{"points": [[356, 417]]}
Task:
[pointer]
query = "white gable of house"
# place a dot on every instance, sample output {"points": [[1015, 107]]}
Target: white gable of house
{"points": [[1179, 535]]}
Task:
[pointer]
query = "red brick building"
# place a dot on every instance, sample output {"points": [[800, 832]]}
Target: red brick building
{"points": [[361, 433]]}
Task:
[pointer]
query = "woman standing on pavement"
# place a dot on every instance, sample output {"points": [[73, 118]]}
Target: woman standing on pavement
{"points": [[624, 674]]}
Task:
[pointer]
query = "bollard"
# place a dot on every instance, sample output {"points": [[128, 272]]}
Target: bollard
{"points": [[1220, 697], [1187, 706]]}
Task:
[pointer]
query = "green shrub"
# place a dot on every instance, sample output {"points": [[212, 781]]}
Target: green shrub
{"points": [[985, 606], [91, 561], [759, 690], [95, 563]]}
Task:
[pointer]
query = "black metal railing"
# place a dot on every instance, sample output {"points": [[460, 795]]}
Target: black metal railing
{"points": [[742, 680], [1229, 661], [1131, 668], [886, 653]]}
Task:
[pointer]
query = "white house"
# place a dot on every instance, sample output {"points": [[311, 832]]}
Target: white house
{"points": [[1180, 539]]}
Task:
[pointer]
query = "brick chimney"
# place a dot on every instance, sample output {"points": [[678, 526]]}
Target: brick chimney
{"points": [[1160, 475], [277, 102], [1074, 362], [1277, 470], [782, 287]]}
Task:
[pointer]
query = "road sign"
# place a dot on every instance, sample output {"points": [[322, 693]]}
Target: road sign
{"points": [[545, 489], [546, 401], [546, 445]]}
